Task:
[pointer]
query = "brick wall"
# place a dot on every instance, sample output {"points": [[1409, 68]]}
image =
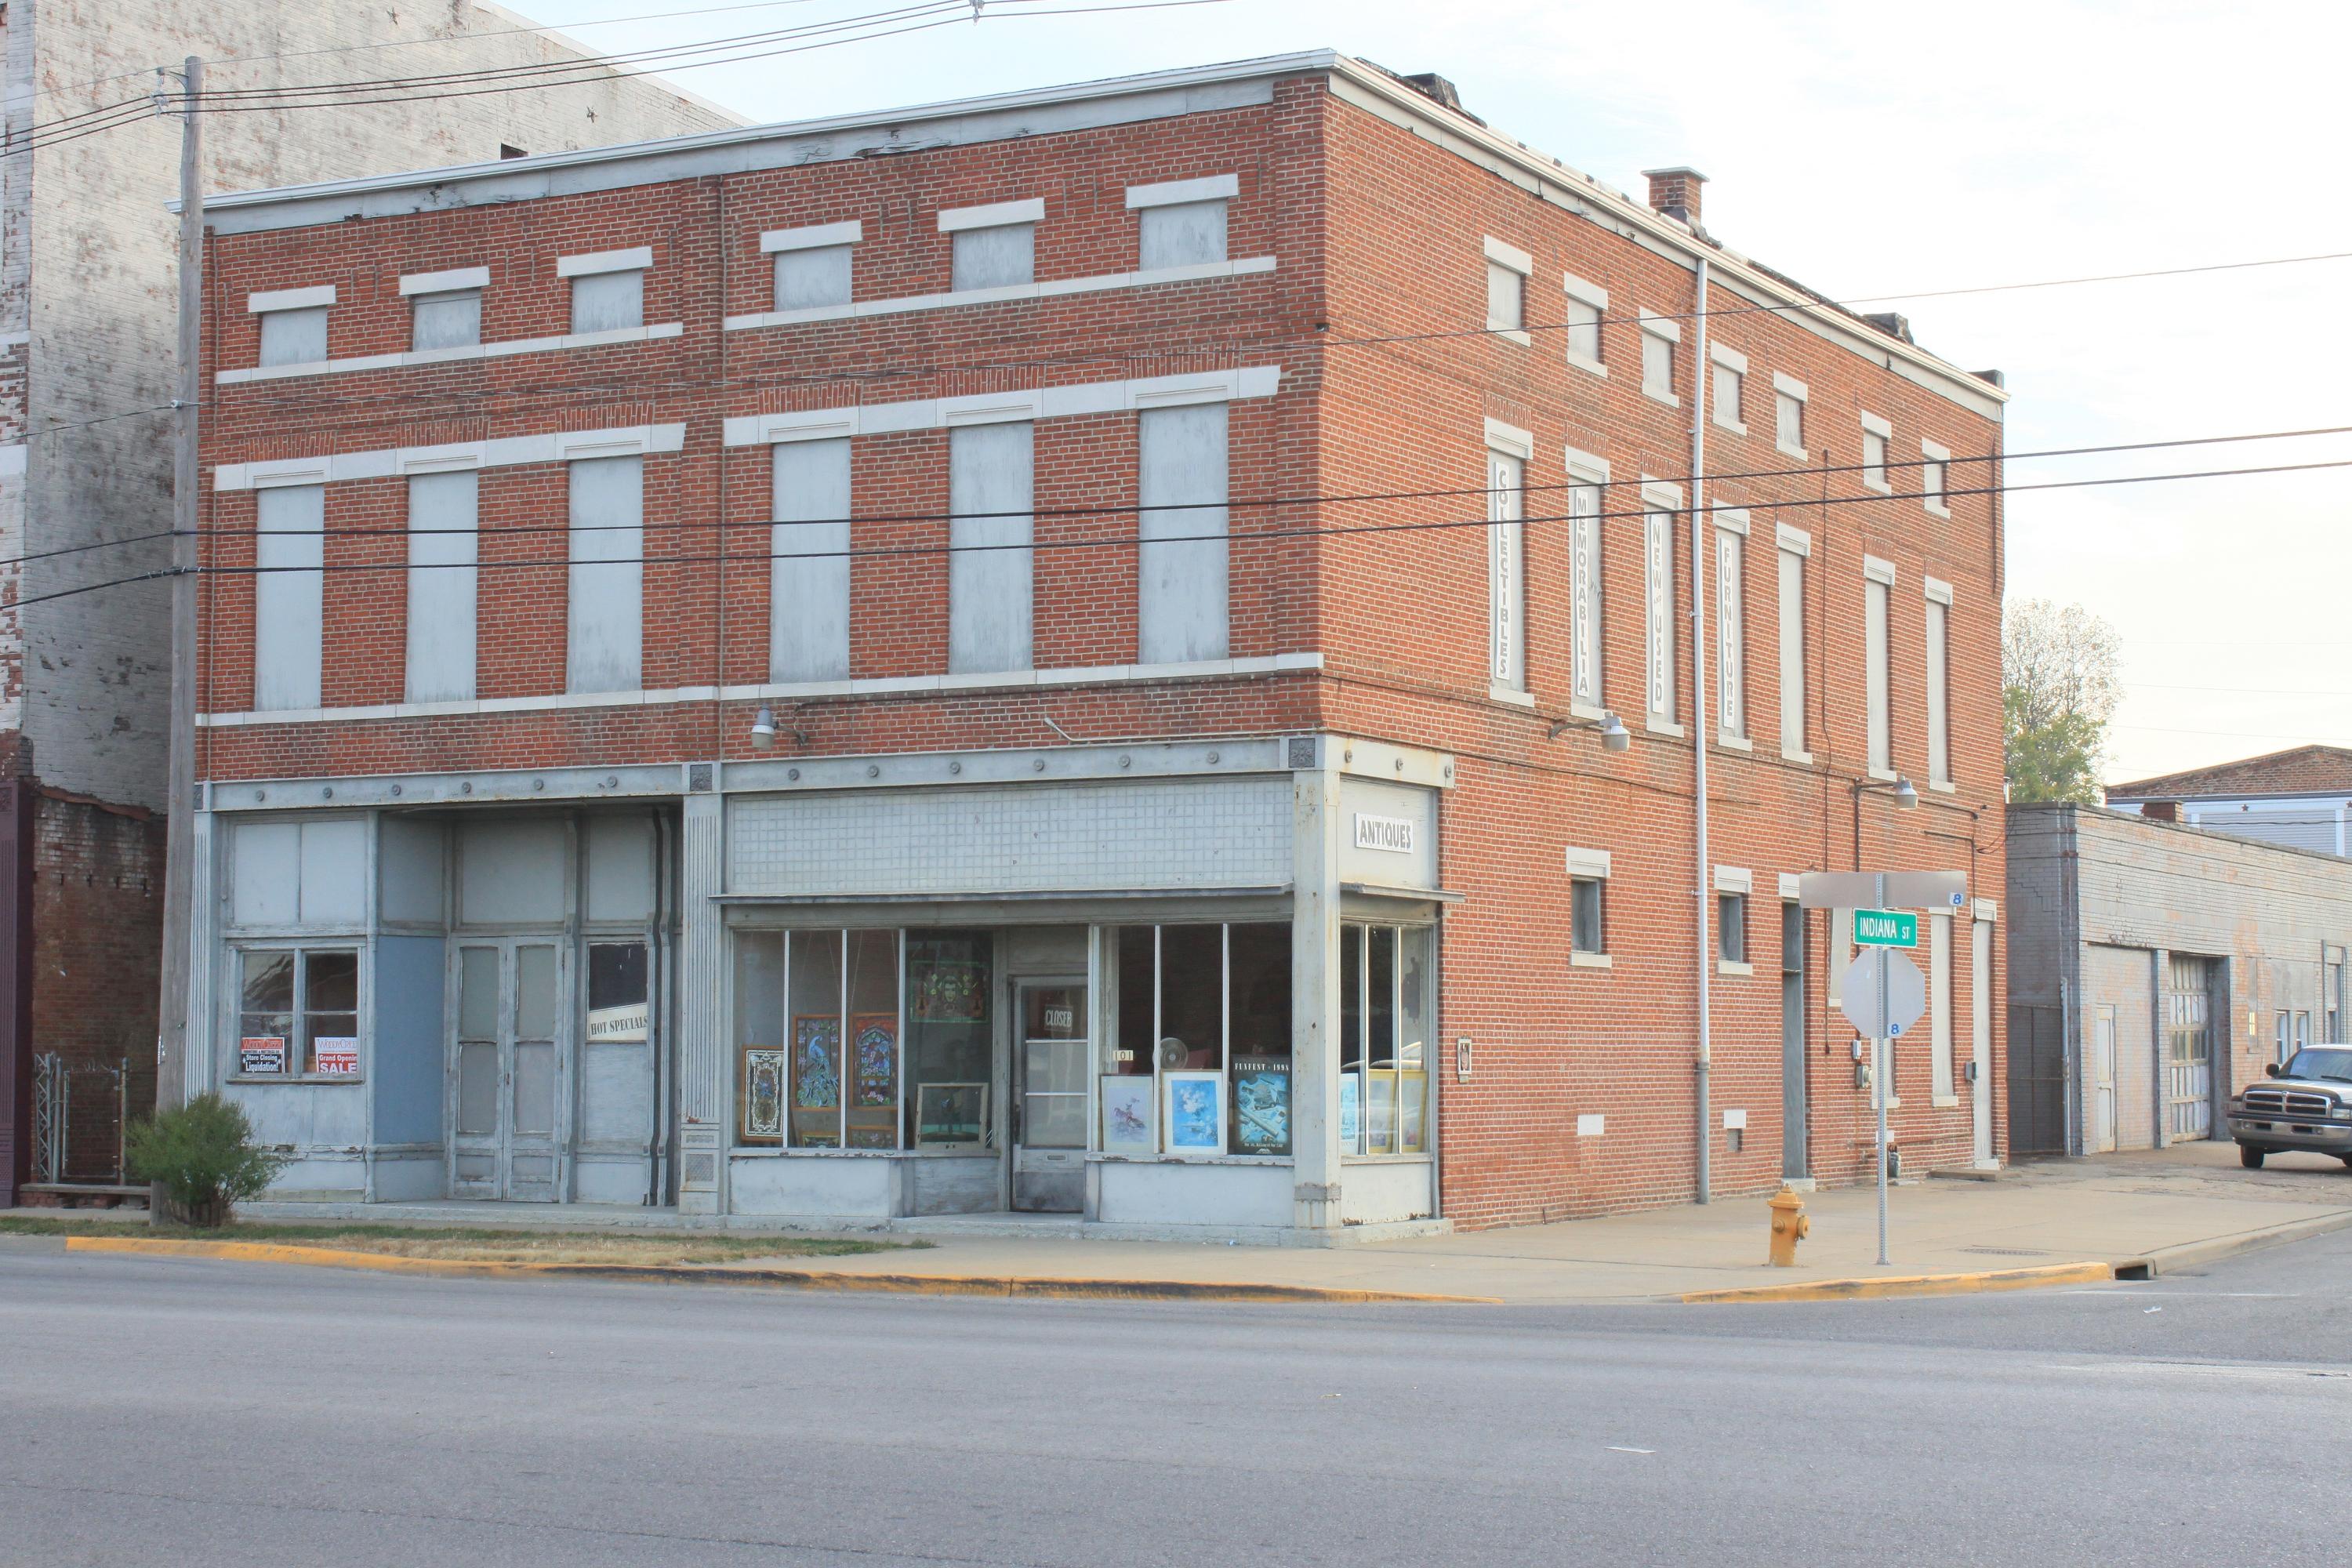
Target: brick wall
{"points": [[1377, 232]]}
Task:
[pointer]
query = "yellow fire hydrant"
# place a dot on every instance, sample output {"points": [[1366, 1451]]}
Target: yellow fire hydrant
{"points": [[1789, 1227]]}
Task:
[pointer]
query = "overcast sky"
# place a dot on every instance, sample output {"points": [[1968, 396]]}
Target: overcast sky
{"points": [[1872, 150]]}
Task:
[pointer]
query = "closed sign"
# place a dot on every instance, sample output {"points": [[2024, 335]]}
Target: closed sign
{"points": [[1393, 834]]}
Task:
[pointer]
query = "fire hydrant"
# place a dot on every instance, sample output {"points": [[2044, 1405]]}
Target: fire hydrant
{"points": [[1789, 1227]]}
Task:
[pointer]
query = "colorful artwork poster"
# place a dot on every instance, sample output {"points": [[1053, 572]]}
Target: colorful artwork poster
{"points": [[1196, 1113], [875, 1039], [951, 1113], [1127, 1114], [335, 1056], [763, 1094], [816, 1062], [261, 1056], [951, 991], [1351, 1109], [1261, 1108]]}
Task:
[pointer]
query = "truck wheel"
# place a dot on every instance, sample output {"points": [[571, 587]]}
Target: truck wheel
{"points": [[2252, 1158]]}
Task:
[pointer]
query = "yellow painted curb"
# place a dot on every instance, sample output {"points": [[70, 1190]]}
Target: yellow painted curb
{"points": [[1913, 1284], [801, 1278]]}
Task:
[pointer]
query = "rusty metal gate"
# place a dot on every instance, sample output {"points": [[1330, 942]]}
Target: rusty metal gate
{"points": [[2189, 1048], [81, 1110]]}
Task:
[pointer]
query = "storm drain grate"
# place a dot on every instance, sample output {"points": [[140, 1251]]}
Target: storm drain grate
{"points": [[2007, 1251]]}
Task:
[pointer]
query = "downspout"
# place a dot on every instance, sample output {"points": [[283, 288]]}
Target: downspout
{"points": [[1702, 379]]}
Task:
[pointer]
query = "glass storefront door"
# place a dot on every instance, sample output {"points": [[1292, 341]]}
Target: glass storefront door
{"points": [[1050, 1092]]}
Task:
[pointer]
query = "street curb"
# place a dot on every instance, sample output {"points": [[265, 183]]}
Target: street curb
{"points": [[2190, 1254], [1868, 1287], [790, 1279]]}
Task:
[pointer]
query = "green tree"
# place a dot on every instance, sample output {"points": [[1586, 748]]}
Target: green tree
{"points": [[2058, 691]]}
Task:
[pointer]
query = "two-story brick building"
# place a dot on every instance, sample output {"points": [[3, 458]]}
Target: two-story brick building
{"points": [[1143, 649]]}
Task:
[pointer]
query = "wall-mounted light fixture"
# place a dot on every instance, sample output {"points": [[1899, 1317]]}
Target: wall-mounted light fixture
{"points": [[763, 730]]}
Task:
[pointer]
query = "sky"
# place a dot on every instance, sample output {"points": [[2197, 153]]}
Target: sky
{"points": [[1874, 150]]}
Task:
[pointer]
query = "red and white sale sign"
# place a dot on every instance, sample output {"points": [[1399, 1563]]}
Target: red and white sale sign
{"points": [[336, 1055]]}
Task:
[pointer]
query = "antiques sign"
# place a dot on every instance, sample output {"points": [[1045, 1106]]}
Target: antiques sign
{"points": [[1392, 834]]}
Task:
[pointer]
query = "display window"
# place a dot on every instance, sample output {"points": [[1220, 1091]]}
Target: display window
{"points": [[297, 1013], [1386, 1011], [817, 1027], [1199, 1059]]}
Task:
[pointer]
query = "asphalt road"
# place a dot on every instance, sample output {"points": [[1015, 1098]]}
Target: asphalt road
{"points": [[196, 1413]]}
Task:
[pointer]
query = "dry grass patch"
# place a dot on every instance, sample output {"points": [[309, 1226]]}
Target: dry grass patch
{"points": [[484, 1243]]}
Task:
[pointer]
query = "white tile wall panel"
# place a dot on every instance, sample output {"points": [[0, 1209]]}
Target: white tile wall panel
{"points": [[1177, 834]]}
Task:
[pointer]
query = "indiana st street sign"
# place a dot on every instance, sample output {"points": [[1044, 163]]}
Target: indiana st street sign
{"points": [[1885, 928]]}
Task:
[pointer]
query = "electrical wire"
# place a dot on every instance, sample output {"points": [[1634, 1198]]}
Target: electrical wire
{"points": [[1367, 497]]}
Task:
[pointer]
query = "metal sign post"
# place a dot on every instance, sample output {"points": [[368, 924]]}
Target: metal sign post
{"points": [[1883, 993]]}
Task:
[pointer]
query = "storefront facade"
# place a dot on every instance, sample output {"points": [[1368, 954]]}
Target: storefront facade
{"points": [[1167, 986]]}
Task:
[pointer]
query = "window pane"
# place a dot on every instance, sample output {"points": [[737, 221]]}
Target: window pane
{"points": [[809, 280], [992, 486], [607, 301], [330, 982], [1134, 962], [478, 993], [537, 1006], [1351, 1039], [1875, 675], [1193, 992], [617, 994], [448, 320], [1184, 234], [1584, 330], [1792, 432], [444, 543], [1657, 365], [994, 257], [873, 1058], [1874, 457], [949, 980], [1505, 290], [1584, 919], [1727, 394], [815, 977], [288, 595], [1380, 1041], [808, 581], [1731, 928], [760, 1036], [269, 981], [1416, 985], [294, 337], [1259, 957]]}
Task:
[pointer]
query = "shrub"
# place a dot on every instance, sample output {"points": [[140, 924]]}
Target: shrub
{"points": [[204, 1156]]}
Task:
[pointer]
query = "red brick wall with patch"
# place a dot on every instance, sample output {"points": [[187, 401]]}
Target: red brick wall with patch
{"points": [[1377, 234]]}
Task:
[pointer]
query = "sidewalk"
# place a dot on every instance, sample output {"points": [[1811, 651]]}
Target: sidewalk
{"points": [[2046, 1222]]}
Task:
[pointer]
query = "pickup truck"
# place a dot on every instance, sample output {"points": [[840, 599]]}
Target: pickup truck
{"points": [[2306, 1103]]}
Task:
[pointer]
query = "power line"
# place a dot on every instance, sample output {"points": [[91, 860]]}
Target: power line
{"points": [[1367, 497], [1134, 541]]}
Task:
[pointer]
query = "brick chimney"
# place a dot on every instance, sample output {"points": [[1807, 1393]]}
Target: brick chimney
{"points": [[1675, 192]]}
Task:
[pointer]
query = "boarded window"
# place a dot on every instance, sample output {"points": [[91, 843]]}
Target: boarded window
{"points": [[991, 486], [1506, 581], [1181, 574], [443, 546], [1940, 734], [812, 278], [294, 337], [288, 595], [995, 257], [1875, 676], [1657, 365], [605, 645], [1730, 633], [1792, 651], [1790, 413], [448, 320], [1583, 332], [1584, 594], [1506, 308], [808, 605], [1658, 596], [608, 302], [1184, 234]]}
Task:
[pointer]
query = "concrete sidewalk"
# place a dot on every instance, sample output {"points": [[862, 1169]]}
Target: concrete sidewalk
{"points": [[2045, 1222]]}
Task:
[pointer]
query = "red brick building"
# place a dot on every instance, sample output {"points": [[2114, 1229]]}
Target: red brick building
{"points": [[1133, 649]]}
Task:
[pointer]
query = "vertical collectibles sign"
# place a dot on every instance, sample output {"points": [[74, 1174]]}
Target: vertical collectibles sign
{"points": [[1392, 834]]}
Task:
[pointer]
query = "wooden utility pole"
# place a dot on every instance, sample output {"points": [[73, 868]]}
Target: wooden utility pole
{"points": [[179, 863]]}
